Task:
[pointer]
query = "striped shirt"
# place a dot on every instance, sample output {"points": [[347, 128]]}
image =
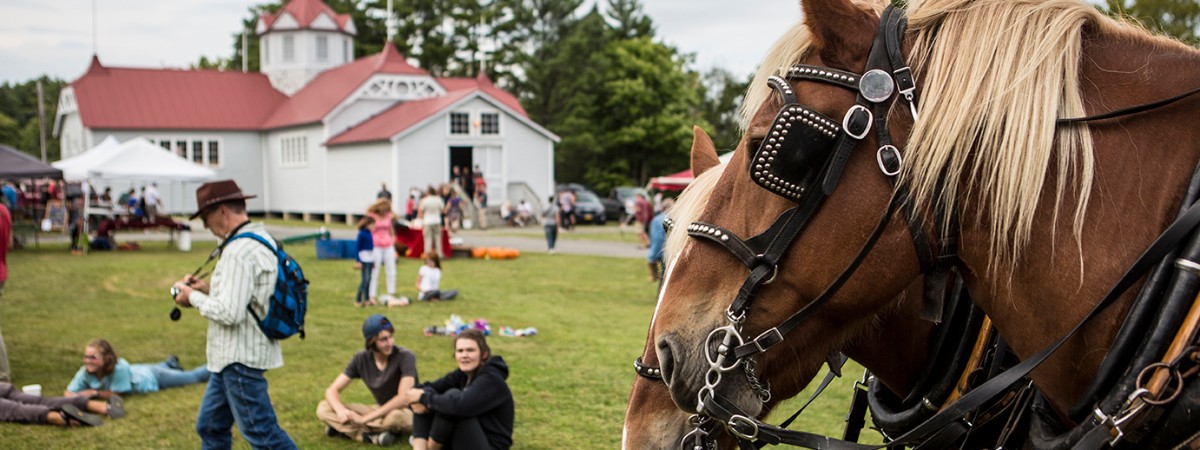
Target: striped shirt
{"points": [[245, 274]]}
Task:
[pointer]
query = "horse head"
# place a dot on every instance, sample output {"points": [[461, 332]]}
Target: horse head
{"points": [[817, 222], [693, 326], [894, 346]]}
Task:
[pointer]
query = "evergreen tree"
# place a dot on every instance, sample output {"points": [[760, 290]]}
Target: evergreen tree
{"points": [[723, 94], [629, 21], [1175, 18], [19, 116]]}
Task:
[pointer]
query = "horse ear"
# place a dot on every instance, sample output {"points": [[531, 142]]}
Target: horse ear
{"points": [[842, 33], [704, 153]]}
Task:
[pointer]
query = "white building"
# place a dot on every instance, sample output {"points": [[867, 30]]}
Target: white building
{"points": [[316, 132]]}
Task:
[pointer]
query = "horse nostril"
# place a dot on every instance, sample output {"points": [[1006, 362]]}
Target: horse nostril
{"points": [[666, 360]]}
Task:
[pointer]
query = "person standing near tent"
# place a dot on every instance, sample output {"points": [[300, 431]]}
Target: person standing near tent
{"points": [[152, 200], [429, 211], [238, 351]]}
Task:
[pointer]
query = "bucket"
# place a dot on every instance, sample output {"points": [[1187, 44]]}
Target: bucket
{"points": [[185, 241]]}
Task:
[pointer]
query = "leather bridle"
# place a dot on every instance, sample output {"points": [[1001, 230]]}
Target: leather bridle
{"points": [[799, 139]]}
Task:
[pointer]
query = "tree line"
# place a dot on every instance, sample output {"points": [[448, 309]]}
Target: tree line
{"points": [[621, 99]]}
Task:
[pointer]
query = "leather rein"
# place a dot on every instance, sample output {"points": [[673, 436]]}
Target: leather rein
{"points": [[797, 128]]}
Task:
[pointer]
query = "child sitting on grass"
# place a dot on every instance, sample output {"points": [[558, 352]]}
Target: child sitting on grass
{"points": [[429, 277]]}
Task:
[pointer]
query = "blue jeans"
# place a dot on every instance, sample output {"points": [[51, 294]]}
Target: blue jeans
{"points": [[238, 394], [364, 285], [169, 377], [551, 235]]}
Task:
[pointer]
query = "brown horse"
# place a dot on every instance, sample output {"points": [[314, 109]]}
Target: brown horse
{"points": [[1048, 216], [895, 348]]}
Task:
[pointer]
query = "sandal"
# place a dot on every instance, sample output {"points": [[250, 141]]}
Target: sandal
{"points": [[116, 407], [73, 416]]}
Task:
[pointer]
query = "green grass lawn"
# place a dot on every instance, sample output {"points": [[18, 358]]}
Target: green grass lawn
{"points": [[571, 381]]}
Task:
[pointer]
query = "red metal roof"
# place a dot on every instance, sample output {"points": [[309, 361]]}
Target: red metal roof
{"points": [[483, 83], [124, 98], [328, 89], [127, 98], [305, 12], [398, 118]]}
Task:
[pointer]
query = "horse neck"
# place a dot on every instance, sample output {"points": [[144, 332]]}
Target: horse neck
{"points": [[1143, 164], [897, 349]]}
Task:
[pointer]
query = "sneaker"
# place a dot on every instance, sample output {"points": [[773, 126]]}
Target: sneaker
{"points": [[333, 432], [73, 416], [116, 407], [173, 362], [382, 439]]}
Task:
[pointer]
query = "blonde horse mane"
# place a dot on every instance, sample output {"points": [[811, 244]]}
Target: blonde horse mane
{"points": [[688, 207], [990, 95]]}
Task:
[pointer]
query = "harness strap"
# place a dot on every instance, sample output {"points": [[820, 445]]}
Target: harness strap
{"points": [[1161, 246], [775, 335], [1128, 111]]}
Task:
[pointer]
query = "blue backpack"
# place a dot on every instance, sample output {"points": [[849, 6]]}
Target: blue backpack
{"points": [[289, 302]]}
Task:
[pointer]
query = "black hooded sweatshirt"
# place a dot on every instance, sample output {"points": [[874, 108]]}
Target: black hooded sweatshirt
{"points": [[486, 398]]}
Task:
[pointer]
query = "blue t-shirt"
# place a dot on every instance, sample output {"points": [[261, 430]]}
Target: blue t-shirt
{"points": [[658, 238], [137, 379]]}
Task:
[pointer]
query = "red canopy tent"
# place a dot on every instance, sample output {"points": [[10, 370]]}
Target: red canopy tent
{"points": [[673, 182], [679, 180]]}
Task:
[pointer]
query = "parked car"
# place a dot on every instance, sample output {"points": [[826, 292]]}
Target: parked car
{"points": [[619, 203], [588, 208]]}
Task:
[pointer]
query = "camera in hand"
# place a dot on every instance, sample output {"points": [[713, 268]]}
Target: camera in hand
{"points": [[175, 313]]}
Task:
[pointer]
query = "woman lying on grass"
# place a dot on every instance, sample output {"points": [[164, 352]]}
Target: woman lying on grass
{"points": [[104, 374]]}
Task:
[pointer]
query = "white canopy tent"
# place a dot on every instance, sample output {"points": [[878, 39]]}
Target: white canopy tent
{"points": [[76, 167], [137, 161]]}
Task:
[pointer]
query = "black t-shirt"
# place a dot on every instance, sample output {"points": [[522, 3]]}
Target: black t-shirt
{"points": [[383, 383]]}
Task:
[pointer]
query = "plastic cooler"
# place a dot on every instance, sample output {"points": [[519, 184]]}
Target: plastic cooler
{"points": [[330, 248]]}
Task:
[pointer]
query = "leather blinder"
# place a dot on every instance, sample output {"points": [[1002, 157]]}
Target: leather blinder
{"points": [[790, 159]]}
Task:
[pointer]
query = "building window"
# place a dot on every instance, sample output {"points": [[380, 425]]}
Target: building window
{"points": [[181, 149], [322, 48], [165, 144], [289, 48], [198, 152], [293, 151], [489, 123], [214, 153], [460, 123]]}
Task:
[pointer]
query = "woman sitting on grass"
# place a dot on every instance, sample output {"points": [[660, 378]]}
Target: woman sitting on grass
{"points": [[429, 277], [387, 370], [19, 407], [469, 408], [104, 374]]}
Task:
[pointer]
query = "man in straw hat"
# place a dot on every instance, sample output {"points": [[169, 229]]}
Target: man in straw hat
{"points": [[238, 351]]}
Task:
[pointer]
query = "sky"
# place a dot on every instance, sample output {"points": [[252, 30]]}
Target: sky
{"points": [[57, 38]]}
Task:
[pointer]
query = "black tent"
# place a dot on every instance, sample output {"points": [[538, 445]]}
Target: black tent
{"points": [[14, 164]]}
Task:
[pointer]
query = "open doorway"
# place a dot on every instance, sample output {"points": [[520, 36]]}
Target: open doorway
{"points": [[460, 157]]}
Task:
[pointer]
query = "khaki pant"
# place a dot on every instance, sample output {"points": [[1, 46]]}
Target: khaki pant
{"points": [[397, 421]]}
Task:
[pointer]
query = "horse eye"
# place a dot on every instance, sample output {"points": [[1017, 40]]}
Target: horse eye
{"points": [[755, 142]]}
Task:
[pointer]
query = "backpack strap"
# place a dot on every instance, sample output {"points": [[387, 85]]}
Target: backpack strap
{"points": [[273, 248]]}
